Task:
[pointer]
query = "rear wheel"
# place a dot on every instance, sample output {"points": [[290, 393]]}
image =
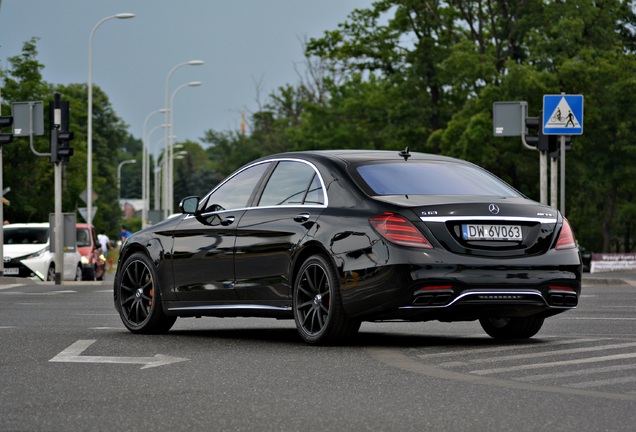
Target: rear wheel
{"points": [[512, 328], [138, 297], [318, 312]]}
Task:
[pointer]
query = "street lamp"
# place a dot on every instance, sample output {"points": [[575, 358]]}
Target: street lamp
{"points": [[167, 106], [89, 143], [171, 149], [145, 168], [122, 163]]}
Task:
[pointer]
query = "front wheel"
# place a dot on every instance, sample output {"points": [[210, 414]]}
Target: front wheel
{"points": [[138, 298], [318, 312], [50, 274], [512, 328]]}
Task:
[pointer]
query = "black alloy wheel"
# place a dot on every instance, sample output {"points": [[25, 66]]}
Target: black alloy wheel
{"points": [[512, 328], [318, 312], [138, 297]]}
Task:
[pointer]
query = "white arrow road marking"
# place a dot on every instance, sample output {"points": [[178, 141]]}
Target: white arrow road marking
{"points": [[72, 354]]}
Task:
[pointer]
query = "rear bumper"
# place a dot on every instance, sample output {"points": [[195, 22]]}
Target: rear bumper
{"points": [[459, 293]]}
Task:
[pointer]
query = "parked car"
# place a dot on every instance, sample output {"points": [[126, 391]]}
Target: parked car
{"points": [[334, 238], [27, 254], [93, 260]]}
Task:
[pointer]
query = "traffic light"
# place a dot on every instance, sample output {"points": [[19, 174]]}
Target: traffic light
{"points": [[64, 149], [61, 137], [545, 143], [555, 152], [533, 124], [4, 122]]}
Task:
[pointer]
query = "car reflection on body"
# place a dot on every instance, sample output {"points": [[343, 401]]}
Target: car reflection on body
{"points": [[334, 238]]}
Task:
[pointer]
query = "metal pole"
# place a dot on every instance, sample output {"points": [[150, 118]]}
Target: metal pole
{"points": [[554, 179], [543, 174], [1, 202], [89, 141], [59, 225], [563, 175], [168, 132]]}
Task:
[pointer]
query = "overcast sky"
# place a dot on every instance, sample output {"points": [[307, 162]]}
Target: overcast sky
{"points": [[242, 42]]}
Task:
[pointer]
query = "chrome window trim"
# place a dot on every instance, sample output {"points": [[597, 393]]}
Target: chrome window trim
{"points": [[322, 186]]}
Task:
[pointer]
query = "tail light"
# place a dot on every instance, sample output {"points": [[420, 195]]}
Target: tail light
{"points": [[566, 237], [399, 230]]}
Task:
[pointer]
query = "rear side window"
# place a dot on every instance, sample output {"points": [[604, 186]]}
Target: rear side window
{"points": [[292, 183], [430, 178]]}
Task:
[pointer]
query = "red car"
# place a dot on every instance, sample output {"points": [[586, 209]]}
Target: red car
{"points": [[93, 260]]}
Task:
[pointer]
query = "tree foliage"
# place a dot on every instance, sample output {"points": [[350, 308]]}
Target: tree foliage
{"points": [[422, 74]]}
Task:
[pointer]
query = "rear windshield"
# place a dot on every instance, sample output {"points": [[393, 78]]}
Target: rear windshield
{"points": [[431, 178], [26, 235]]}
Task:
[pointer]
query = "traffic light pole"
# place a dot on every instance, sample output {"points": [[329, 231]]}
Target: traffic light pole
{"points": [[59, 225], [1, 203]]}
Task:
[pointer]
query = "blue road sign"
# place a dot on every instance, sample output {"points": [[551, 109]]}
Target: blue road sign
{"points": [[562, 114]]}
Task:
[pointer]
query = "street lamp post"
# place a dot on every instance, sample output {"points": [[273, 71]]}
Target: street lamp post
{"points": [[89, 143], [157, 172], [122, 163], [146, 172], [171, 150], [145, 169], [167, 106]]}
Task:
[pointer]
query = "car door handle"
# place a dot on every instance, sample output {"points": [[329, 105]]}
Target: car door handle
{"points": [[227, 221], [302, 217]]}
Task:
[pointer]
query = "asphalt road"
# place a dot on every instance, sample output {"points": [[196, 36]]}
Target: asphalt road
{"points": [[68, 364]]}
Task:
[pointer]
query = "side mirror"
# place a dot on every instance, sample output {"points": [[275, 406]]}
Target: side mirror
{"points": [[189, 205]]}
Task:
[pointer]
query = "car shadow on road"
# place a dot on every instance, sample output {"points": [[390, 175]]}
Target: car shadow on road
{"points": [[365, 339]]}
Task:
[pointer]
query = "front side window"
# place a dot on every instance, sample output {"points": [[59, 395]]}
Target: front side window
{"points": [[292, 183], [236, 192], [83, 238]]}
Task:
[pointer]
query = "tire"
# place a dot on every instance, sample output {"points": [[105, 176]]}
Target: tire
{"points": [[50, 274], [318, 312], [138, 297], [90, 274], [512, 328], [78, 272]]}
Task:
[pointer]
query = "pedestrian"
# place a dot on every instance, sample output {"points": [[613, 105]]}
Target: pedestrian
{"points": [[105, 242], [124, 234]]}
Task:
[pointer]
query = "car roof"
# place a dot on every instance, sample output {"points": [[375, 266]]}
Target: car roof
{"points": [[356, 155]]}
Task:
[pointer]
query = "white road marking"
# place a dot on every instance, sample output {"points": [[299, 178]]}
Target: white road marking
{"points": [[72, 354], [554, 364]]}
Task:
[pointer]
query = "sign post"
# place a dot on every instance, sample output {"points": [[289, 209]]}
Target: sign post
{"points": [[562, 115]]}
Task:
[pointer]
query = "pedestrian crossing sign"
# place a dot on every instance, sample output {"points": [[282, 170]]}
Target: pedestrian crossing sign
{"points": [[562, 114]]}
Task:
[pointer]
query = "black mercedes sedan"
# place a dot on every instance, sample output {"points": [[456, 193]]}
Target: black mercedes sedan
{"points": [[334, 238]]}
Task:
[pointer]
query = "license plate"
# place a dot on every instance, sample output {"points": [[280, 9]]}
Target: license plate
{"points": [[11, 271], [492, 232]]}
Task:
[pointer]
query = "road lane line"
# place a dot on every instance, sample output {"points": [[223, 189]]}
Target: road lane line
{"points": [[590, 371], [395, 358], [543, 354], [553, 364], [501, 348]]}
